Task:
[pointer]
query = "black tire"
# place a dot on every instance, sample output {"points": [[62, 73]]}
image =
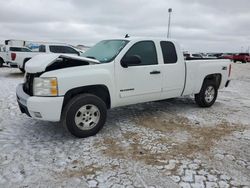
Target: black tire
{"points": [[235, 61], [201, 99], [71, 112]]}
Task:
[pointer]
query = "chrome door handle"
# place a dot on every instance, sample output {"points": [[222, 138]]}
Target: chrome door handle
{"points": [[155, 72]]}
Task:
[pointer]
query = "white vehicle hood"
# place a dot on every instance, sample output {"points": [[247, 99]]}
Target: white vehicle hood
{"points": [[39, 63]]}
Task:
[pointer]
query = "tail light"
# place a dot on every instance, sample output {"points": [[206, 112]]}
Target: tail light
{"points": [[13, 56], [230, 69]]}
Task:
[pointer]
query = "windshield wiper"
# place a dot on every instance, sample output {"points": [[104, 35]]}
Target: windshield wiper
{"points": [[91, 57]]}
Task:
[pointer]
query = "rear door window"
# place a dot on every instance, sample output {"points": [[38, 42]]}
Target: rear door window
{"points": [[168, 52]]}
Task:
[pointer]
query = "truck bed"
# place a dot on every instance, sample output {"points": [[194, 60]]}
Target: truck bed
{"points": [[196, 70]]}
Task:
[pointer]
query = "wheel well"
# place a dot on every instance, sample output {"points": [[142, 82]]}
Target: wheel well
{"points": [[216, 78], [100, 91]]}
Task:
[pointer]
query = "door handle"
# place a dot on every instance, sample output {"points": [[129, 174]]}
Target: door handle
{"points": [[155, 72]]}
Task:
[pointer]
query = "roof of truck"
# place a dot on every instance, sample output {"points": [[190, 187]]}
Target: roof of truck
{"points": [[143, 38]]}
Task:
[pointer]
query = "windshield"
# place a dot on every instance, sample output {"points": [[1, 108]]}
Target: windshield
{"points": [[106, 50]]}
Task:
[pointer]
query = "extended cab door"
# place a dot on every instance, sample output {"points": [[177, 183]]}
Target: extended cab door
{"points": [[142, 82], [173, 70]]}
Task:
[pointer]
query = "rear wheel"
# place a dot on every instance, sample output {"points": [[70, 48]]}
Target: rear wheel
{"points": [[208, 94], [84, 115]]}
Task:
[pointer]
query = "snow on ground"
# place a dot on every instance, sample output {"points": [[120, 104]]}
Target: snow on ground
{"points": [[168, 143]]}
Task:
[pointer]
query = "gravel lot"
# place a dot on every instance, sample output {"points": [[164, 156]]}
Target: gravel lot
{"points": [[168, 143]]}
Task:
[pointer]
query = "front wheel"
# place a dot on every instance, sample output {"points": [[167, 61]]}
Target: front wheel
{"points": [[208, 94], [85, 115]]}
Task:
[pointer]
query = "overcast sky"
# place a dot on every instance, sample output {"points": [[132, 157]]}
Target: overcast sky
{"points": [[198, 25]]}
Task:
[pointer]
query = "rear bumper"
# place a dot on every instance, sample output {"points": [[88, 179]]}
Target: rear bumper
{"points": [[43, 108], [12, 64]]}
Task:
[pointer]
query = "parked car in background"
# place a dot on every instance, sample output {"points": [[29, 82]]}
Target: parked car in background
{"points": [[215, 54], [78, 90], [8, 54], [13, 52], [190, 56], [226, 56], [83, 48], [210, 56], [19, 58], [198, 56], [242, 57]]}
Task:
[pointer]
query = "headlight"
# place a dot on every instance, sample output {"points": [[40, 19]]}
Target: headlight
{"points": [[45, 87]]}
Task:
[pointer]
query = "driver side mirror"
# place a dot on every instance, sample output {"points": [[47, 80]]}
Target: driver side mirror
{"points": [[130, 61]]}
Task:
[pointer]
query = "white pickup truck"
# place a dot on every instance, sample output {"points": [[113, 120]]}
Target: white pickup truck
{"points": [[15, 54], [79, 90], [18, 56]]}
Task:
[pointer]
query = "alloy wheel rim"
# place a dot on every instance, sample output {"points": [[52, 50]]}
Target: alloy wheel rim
{"points": [[87, 117], [209, 94]]}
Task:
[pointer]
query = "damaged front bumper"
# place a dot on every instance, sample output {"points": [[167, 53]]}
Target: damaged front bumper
{"points": [[42, 108], [22, 99]]}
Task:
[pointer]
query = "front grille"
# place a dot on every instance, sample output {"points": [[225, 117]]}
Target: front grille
{"points": [[28, 85]]}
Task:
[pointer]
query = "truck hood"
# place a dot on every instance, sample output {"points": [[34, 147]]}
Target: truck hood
{"points": [[41, 62]]}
